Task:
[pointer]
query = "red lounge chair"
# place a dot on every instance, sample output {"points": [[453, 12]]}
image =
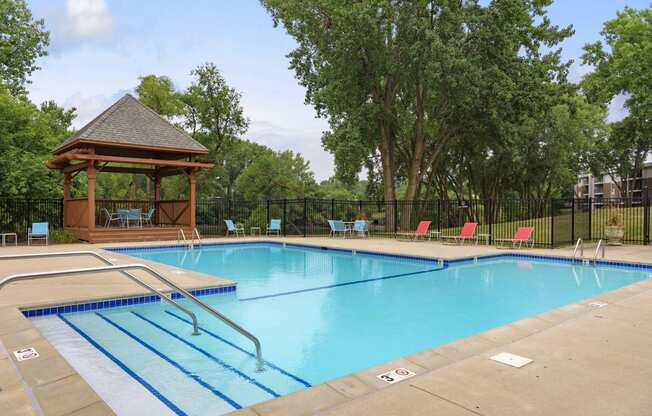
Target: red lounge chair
{"points": [[522, 235], [466, 233], [421, 231]]}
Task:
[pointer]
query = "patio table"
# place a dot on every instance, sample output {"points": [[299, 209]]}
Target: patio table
{"points": [[5, 235]]}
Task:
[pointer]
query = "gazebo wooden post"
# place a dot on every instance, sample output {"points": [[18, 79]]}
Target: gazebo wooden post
{"points": [[67, 178], [192, 204], [91, 175], [157, 198]]}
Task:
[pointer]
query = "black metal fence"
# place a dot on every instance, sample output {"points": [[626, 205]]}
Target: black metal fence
{"points": [[17, 215], [556, 222]]}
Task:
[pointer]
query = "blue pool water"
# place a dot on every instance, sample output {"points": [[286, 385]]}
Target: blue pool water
{"points": [[321, 314]]}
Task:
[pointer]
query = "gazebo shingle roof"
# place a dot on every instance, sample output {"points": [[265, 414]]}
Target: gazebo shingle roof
{"points": [[128, 122]]}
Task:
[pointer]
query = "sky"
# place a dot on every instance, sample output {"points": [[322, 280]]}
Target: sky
{"points": [[99, 48]]}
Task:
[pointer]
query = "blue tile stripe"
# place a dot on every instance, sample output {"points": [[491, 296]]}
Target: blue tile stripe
{"points": [[120, 302], [237, 347], [173, 363], [355, 282], [210, 356], [125, 368]]}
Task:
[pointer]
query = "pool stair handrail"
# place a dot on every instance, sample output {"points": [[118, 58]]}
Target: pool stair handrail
{"points": [[143, 267], [181, 236], [597, 251], [579, 245], [195, 233], [163, 296]]}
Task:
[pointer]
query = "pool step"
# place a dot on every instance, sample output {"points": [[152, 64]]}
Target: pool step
{"points": [[159, 347]]}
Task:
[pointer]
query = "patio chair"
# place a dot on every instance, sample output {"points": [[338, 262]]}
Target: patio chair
{"points": [[361, 228], [421, 231], [231, 228], [522, 235], [110, 217], [147, 218], [338, 226], [38, 231], [274, 227], [123, 213], [466, 233]]}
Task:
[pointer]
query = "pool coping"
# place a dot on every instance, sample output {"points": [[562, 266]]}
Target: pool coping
{"points": [[30, 394]]}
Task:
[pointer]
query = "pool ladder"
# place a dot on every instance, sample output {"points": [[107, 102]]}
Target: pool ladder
{"points": [[123, 269], [579, 245], [181, 236]]}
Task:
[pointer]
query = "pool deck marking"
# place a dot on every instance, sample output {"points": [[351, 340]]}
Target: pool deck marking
{"points": [[210, 356], [175, 364], [270, 364], [355, 282], [124, 368]]}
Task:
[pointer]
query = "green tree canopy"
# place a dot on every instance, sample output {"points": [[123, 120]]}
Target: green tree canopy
{"points": [[159, 94], [22, 41], [623, 63]]}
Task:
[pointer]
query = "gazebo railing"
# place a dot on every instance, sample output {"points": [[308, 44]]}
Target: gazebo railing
{"points": [[171, 213]]}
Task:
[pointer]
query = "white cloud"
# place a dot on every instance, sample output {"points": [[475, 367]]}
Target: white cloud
{"points": [[88, 18]]}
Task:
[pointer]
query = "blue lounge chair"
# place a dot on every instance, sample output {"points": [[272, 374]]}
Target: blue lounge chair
{"points": [[38, 231], [361, 227], [231, 228], [338, 226], [274, 227]]}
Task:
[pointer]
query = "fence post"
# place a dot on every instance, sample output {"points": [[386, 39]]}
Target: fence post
{"points": [[589, 201], [267, 212], [305, 217], [285, 209], [490, 216], [552, 223], [61, 214], [332, 209], [573, 219], [439, 215], [646, 216], [395, 217]]}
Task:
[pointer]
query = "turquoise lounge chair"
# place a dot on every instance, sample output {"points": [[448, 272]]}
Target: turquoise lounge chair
{"points": [[231, 228], [274, 227], [338, 226], [38, 231]]}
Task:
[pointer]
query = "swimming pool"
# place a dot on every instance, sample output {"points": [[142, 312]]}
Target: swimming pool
{"points": [[320, 314]]}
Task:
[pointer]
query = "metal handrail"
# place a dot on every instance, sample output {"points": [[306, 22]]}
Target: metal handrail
{"points": [[579, 244], [597, 250], [147, 269], [107, 262], [181, 234], [195, 232]]}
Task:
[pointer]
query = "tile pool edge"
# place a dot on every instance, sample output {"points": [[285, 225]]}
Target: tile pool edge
{"points": [[458, 260], [116, 302]]}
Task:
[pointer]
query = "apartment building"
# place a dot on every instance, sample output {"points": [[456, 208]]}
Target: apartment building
{"points": [[604, 187]]}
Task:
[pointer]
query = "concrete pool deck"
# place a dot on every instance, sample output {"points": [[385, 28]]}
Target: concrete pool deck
{"points": [[587, 360]]}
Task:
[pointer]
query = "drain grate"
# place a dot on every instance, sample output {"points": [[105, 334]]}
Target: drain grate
{"points": [[511, 359]]}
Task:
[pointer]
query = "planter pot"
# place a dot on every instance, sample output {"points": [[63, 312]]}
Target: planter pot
{"points": [[614, 235]]}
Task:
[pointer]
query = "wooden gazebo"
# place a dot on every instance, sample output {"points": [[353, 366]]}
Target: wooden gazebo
{"points": [[128, 137]]}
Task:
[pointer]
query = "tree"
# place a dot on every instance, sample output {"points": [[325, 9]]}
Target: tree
{"points": [[22, 41], [400, 82], [277, 175], [622, 68], [159, 94], [27, 136], [214, 114]]}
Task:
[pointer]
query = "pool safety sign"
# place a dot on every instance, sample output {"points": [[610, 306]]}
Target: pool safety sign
{"points": [[26, 354], [396, 375]]}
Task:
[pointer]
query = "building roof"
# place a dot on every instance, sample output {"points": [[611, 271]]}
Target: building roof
{"points": [[128, 122]]}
